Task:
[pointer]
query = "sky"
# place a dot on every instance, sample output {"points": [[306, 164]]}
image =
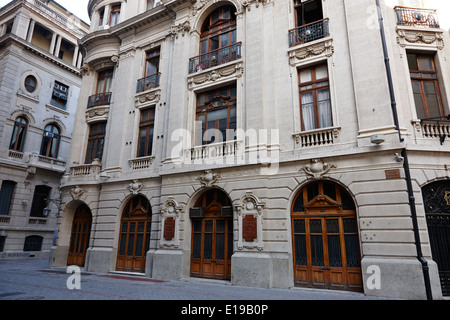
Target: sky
{"points": [[77, 7]]}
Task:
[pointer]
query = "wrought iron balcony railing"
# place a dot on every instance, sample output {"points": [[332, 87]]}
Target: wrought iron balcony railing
{"points": [[413, 17], [149, 82], [99, 99], [215, 58], [309, 32]]}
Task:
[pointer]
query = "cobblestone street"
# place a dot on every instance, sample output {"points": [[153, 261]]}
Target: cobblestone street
{"points": [[32, 280]]}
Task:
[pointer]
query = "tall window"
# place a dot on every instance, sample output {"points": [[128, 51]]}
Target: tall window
{"points": [[51, 141], [40, 201], [6, 195], [315, 98], [425, 86], [115, 16], [104, 81], [307, 11], [151, 79], [146, 128], [216, 115], [96, 141], [218, 30], [19, 133]]}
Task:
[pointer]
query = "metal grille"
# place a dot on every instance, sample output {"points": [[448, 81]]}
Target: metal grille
{"points": [[309, 32]]}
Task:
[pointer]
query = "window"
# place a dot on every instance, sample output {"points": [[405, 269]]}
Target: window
{"points": [[216, 115], [151, 4], [18, 135], [425, 86], [104, 81], [33, 243], [40, 201], [50, 141], [2, 243], [60, 95], [30, 83], [6, 196], [101, 17], [307, 11], [218, 30], [315, 101], [146, 128], [115, 16], [151, 79], [96, 141]]}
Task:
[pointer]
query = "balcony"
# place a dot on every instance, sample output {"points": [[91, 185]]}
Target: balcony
{"points": [[414, 17], [436, 128], [215, 58], [318, 137], [99, 99], [148, 83], [214, 151], [141, 163], [42, 162], [309, 32]]}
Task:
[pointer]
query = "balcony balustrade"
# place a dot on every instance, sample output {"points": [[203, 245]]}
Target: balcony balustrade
{"points": [[309, 32], [214, 151], [99, 99], [413, 17], [215, 58], [147, 83]]}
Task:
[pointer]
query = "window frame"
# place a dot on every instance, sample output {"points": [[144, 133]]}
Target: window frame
{"points": [[114, 17], [301, 8], [433, 77], [55, 137], [314, 90], [19, 142], [94, 138], [147, 125], [41, 194], [8, 187], [104, 76], [228, 102]]}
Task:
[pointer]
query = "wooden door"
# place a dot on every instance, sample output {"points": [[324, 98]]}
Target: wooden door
{"points": [[325, 240], [79, 239], [212, 239], [134, 239]]}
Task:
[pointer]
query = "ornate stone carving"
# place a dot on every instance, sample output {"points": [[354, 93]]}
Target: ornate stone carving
{"points": [[181, 28], [423, 37], [135, 187], [317, 168], [250, 221], [152, 97], [171, 207], [323, 48], [236, 69], [76, 193], [209, 178]]}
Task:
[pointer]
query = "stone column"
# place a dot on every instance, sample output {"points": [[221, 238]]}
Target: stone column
{"points": [[75, 56], [53, 43], [31, 30], [58, 46]]}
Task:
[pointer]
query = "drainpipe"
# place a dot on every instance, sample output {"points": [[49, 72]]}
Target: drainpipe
{"points": [[412, 200]]}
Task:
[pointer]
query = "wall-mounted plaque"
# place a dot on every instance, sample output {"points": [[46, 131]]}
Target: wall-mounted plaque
{"points": [[249, 230], [169, 229]]}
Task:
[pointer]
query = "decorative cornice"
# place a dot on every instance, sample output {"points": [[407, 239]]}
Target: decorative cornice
{"points": [[324, 48], [421, 37]]}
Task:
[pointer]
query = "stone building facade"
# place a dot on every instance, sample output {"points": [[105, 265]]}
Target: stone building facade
{"points": [[40, 81], [263, 142]]}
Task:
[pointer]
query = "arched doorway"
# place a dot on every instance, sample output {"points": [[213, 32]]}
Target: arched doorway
{"points": [[79, 238], [436, 199], [325, 238], [134, 239], [212, 236]]}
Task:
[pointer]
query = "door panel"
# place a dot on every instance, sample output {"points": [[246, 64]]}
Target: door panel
{"points": [[79, 240]]}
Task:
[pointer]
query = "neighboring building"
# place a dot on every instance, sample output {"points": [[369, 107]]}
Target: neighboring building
{"points": [[40, 82], [256, 141]]}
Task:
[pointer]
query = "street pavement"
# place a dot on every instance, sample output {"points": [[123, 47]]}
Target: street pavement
{"points": [[33, 280]]}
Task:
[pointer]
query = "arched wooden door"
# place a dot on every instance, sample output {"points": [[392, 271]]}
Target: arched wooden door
{"points": [[212, 236], [325, 238], [134, 239], [436, 199], [79, 239]]}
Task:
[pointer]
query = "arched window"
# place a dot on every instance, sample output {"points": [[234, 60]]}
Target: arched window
{"points": [[50, 141], [19, 133], [218, 40]]}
